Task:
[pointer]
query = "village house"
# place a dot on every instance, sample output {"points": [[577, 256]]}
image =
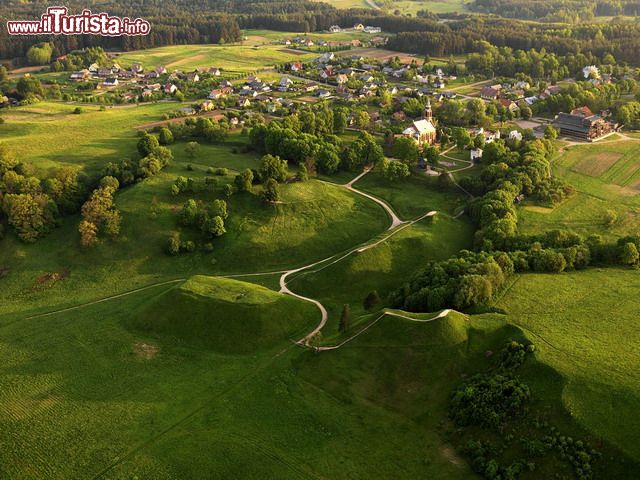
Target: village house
{"points": [[296, 67], [110, 82], [422, 131], [206, 106], [591, 71], [220, 93], [193, 77], [358, 26], [326, 57], [335, 29], [214, 71], [80, 76], [285, 84], [170, 89], [244, 102], [104, 72], [323, 93], [310, 87], [160, 70], [475, 155], [369, 29], [489, 93], [188, 111], [137, 68], [399, 116], [515, 135], [583, 123], [341, 79], [509, 105]]}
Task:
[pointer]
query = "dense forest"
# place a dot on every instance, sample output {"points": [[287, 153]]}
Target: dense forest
{"points": [[471, 35], [221, 21], [568, 11]]}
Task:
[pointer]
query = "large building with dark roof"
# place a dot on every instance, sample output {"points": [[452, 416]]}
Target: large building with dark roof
{"points": [[583, 124]]}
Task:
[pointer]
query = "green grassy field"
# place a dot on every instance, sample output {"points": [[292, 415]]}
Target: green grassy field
{"points": [[113, 401], [606, 177], [42, 134], [435, 6], [231, 58], [586, 329]]}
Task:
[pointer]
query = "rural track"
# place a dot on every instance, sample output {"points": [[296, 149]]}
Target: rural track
{"points": [[451, 172], [385, 313], [393, 228], [396, 226]]}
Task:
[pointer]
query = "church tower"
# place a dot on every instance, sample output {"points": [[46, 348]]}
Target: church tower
{"points": [[428, 113]]}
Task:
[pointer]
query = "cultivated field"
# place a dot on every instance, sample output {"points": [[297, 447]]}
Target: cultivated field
{"points": [[231, 58], [606, 177]]}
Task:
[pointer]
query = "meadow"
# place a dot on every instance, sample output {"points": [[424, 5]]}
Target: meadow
{"points": [[586, 329], [606, 177], [230, 58], [115, 401], [98, 137]]}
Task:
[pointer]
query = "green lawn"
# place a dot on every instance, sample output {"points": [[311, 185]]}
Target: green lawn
{"points": [[586, 328], [231, 58]]}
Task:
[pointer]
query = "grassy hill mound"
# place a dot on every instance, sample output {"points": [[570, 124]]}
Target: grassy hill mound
{"points": [[227, 315]]}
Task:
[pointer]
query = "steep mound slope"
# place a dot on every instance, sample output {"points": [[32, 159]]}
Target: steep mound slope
{"points": [[226, 315]]}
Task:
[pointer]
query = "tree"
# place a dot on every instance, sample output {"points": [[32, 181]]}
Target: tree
{"points": [[147, 144], [8, 160], [345, 319], [462, 137], [88, 233], [328, 159], [4, 75], [629, 254], [394, 170], [371, 300], [40, 54], [31, 215], [29, 85], [432, 155], [550, 132], [303, 173], [361, 119], [192, 149], [273, 167], [100, 212], [271, 193], [173, 243], [525, 112], [166, 136], [610, 218], [244, 181], [340, 118], [406, 149]]}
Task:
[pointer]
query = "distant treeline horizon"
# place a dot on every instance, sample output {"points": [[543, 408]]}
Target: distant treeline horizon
{"points": [[222, 21]]}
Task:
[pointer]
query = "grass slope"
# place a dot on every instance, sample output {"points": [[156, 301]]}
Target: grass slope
{"points": [[42, 134], [224, 314], [586, 329]]}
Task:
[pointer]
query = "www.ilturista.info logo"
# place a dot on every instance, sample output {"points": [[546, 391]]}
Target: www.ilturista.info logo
{"points": [[57, 22]]}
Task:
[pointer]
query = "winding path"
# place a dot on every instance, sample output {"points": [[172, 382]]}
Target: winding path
{"points": [[442, 314], [285, 274], [395, 222]]}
